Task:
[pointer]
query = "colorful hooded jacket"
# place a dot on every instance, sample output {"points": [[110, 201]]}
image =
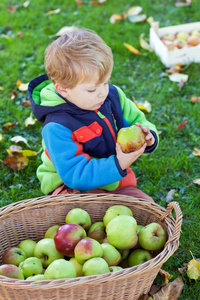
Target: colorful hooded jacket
{"points": [[79, 145]]}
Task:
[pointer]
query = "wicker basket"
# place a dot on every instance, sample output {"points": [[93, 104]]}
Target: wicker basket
{"points": [[31, 218]]}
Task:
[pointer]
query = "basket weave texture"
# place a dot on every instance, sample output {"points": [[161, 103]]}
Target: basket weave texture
{"points": [[29, 219]]}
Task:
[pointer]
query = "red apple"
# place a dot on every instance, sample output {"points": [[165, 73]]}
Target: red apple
{"points": [[180, 43], [193, 40], [11, 271], [97, 231], [14, 256], [196, 32], [67, 237], [87, 248], [131, 138]]}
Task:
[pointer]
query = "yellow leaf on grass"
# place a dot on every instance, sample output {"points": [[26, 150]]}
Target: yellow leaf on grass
{"points": [[177, 77], [18, 139], [193, 271], [53, 12], [1, 137], [196, 152], [196, 181], [22, 86], [195, 99], [16, 161], [134, 10], [30, 120], [132, 49], [23, 152], [115, 18], [146, 106], [144, 44]]}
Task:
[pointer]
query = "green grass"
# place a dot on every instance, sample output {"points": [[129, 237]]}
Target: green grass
{"points": [[172, 166]]}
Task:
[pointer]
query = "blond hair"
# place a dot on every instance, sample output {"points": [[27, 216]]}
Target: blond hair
{"points": [[73, 57]]}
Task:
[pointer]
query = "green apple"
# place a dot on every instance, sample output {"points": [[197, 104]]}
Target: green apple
{"points": [[78, 267], [139, 227], [114, 211], [87, 248], [168, 37], [115, 268], [139, 256], [46, 251], [152, 237], [97, 231], [131, 138], [28, 247], [11, 271], [31, 266], [196, 32], [51, 231], [122, 232], [124, 253], [60, 268], [95, 266], [180, 43], [36, 277], [111, 254], [13, 256], [80, 217], [124, 263], [182, 35]]}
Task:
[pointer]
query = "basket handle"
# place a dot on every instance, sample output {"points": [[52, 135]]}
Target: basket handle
{"points": [[178, 221]]}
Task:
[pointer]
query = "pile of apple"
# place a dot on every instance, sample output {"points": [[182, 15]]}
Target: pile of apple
{"points": [[182, 39], [80, 248]]}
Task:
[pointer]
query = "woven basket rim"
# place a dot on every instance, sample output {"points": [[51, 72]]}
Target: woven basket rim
{"points": [[169, 248]]}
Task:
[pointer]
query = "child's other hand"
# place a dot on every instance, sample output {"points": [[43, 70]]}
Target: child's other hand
{"points": [[149, 138], [126, 159]]}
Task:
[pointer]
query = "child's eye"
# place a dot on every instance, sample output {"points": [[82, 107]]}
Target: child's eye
{"points": [[91, 91]]}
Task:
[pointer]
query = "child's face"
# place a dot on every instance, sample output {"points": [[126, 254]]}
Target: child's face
{"points": [[87, 95]]}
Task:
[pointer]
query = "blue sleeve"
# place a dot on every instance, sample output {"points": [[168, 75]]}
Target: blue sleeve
{"points": [[75, 168]]}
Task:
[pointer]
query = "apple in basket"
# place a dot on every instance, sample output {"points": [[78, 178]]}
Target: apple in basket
{"points": [[152, 237], [60, 268], [115, 268], [66, 238], [14, 256], [111, 254], [139, 256], [36, 277], [97, 231], [114, 211], [28, 247], [11, 271], [95, 266], [46, 251], [51, 232], [87, 248], [31, 266], [78, 267], [122, 232], [80, 217], [131, 138]]}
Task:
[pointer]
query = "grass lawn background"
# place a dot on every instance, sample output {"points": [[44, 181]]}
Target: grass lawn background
{"points": [[172, 165]]}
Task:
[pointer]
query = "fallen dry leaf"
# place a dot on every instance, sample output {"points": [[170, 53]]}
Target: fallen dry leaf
{"points": [[150, 20], [115, 18], [144, 44], [19, 138], [13, 95], [30, 120], [11, 8], [196, 181], [181, 125], [137, 18], [134, 10], [65, 29], [196, 152], [181, 84], [183, 3], [195, 99], [145, 106], [8, 125], [79, 3], [193, 269], [1, 137], [23, 152], [26, 103], [170, 291], [175, 69], [16, 161], [53, 12], [170, 195], [132, 49], [177, 77], [165, 276]]}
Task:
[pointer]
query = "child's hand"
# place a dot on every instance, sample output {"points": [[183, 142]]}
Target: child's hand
{"points": [[126, 159], [149, 138]]}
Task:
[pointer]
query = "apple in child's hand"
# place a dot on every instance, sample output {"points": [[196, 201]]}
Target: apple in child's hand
{"points": [[13, 256], [11, 271], [60, 268], [111, 254], [46, 251], [114, 211], [97, 231], [67, 237], [95, 266], [115, 268], [122, 232], [36, 277], [152, 237], [51, 231], [80, 217], [131, 138], [28, 247], [87, 248], [31, 266], [139, 256], [78, 267]]}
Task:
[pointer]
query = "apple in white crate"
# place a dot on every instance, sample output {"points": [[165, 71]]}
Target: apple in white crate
{"points": [[111, 254], [60, 268], [168, 37], [28, 247], [193, 40], [11, 271], [152, 237], [139, 256], [36, 277], [180, 43], [13, 256], [87, 248], [31, 266], [95, 266], [130, 138], [46, 251], [97, 231], [67, 237], [78, 267], [182, 35], [80, 217], [51, 231], [196, 32], [122, 232], [114, 211]]}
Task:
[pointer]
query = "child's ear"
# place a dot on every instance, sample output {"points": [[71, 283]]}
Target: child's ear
{"points": [[62, 91]]}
